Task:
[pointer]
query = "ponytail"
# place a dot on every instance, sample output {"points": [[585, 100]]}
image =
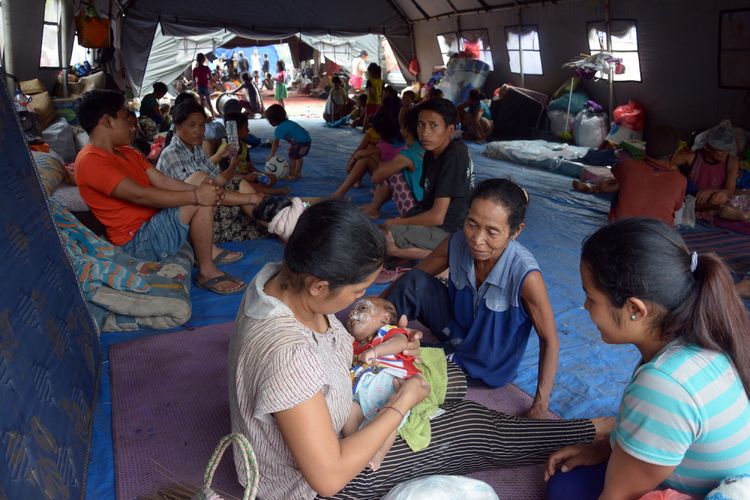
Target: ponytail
{"points": [[648, 259], [714, 316]]}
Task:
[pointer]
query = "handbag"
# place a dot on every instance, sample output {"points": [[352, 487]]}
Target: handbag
{"points": [[249, 463], [93, 31]]}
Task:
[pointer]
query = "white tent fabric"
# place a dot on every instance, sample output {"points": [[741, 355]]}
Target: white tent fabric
{"points": [[342, 50], [263, 19], [171, 55]]}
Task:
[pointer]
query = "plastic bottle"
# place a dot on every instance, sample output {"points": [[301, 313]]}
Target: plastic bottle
{"points": [[22, 100], [232, 137], [264, 179]]}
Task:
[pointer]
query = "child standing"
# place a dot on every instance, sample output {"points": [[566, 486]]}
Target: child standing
{"points": [[375, 86], [292, 132], [201, 79], [407, 103], [244, 164], [280, 79]]}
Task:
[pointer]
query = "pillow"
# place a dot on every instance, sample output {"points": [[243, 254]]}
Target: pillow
{"points": [[70, 198], [50, 170]]}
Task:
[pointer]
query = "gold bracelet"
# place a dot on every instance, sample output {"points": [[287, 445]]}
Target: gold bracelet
{"points": [[394, 409]]}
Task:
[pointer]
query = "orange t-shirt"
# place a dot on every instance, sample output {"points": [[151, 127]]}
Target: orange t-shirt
{"points": [[647, 189], [98, 172]]}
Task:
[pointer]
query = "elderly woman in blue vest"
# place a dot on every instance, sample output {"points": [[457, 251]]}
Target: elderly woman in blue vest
{"points": [[495, 294]]}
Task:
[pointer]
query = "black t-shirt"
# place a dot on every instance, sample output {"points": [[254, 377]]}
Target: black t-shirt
{"points": [[450, 175]]}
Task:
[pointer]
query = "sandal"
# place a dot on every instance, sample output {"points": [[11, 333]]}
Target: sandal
{"points": [[210, 284], [222, 259]]}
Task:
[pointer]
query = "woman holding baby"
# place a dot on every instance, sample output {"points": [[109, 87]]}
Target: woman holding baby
{"points": [[291, 389]]}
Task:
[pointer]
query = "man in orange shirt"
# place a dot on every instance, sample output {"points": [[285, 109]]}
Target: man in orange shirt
{"points": [[148, 214]]}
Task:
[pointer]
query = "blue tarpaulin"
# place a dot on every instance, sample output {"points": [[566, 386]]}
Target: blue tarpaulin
{"points": [[592, 375]]}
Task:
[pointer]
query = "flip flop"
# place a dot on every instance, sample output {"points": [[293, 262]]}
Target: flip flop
{"points": [[210, 284], [221, 259]]}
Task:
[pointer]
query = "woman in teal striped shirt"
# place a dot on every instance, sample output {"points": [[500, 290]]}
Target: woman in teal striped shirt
{"points": [[683, 419]]}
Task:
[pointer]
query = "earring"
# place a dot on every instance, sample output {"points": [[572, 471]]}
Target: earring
{"points": [[633, 317]]}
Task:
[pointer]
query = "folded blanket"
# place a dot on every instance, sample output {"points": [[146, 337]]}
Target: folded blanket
{"points": [[124, 293], [417, 431], [93, 258]]}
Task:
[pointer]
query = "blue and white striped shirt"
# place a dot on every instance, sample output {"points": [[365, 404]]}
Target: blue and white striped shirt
{"points": [[687, 408]]}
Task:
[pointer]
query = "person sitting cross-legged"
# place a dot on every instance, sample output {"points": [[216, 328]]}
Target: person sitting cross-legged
{"points": [[447, 181], [146, 213]]}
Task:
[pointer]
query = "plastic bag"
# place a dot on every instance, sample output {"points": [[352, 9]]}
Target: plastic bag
{"points": [[557, 122], [685, 216], [577, 102], [590, 129], [442, 488], [631, 115], [620, 133], [93, 31]]}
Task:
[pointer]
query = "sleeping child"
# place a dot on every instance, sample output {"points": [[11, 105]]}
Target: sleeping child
{"points": [[378, 361], [279, 215]]}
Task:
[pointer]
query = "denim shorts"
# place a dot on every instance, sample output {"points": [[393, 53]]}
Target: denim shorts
{"points": [[159, 238], [204, 91]]}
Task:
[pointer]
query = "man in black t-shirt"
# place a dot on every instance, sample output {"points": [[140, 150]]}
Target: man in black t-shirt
{"points": [[447, 179]]}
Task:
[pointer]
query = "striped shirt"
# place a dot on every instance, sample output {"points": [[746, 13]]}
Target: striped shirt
{"points": [[276, 363], [687, 408], [180, 161]]}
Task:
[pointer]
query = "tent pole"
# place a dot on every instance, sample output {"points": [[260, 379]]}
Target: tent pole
{"points": [[8, 45], [610, 80], [65, 29], [520, 48]]}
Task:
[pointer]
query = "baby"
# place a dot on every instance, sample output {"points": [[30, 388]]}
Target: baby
{"points": [[378, 361]]}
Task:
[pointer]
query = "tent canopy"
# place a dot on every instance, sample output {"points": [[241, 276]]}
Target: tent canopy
{"points": [[170, 55], [261, 20]]}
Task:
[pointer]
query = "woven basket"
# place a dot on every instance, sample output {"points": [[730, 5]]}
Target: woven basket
{"points": [[249, 463], [93, 32]]}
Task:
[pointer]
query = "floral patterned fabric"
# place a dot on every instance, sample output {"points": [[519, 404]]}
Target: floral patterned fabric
{"points": [[232, 224]]}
